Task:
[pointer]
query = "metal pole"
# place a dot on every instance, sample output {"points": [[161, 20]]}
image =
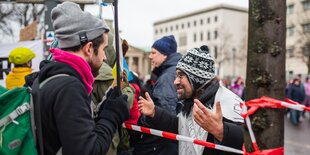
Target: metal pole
{"points": [[234, 61], [117, 45], [48, 26]]}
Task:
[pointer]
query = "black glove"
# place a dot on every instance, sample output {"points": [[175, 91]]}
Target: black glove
{"points": [[115, 107]]}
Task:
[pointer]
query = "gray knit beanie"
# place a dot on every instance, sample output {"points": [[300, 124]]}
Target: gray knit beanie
{"points": [[74, 26], [198, 65]]}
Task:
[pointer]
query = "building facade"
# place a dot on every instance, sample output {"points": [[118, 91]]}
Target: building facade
{"points": [[297, 37], [223, 28], [138, 61]]}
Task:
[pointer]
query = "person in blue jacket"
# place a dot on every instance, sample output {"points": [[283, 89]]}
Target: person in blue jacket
{"points": [[164, 58]]}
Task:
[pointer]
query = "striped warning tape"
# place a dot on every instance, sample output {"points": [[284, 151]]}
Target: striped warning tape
{"points": [[177, 137]]}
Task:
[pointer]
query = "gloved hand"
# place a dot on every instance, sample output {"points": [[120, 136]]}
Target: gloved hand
{"points": [[115, 107]]}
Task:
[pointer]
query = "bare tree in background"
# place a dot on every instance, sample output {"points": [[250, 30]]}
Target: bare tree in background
{"points": [[303, 43], [230, 52], [6, 13], [15, 16], [266, 70]]}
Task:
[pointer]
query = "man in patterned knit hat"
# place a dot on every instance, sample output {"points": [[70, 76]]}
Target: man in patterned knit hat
{"points": [[209, 110]]}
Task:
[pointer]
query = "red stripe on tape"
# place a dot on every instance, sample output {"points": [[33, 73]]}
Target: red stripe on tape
{"points": [[128, 126], [204, 143], [169, 135], [145, 130]]}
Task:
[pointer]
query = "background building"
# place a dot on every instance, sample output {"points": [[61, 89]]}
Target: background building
{"points": [[138, 61], [297, 37], [222, 27]]}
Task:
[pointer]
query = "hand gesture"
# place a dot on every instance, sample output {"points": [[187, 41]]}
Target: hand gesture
{"points": [[146, 106], [211, 122]]}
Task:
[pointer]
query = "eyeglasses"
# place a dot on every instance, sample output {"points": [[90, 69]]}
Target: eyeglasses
{"points": [[180, 75]]}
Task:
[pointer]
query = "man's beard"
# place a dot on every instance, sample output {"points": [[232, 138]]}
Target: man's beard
{"points": [[94, 69]]}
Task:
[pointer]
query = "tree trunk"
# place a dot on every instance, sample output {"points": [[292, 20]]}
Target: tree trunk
{"points": [[266, 70]]}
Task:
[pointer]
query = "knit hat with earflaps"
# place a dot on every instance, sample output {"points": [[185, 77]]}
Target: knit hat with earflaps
{"points": [[198, 65]]}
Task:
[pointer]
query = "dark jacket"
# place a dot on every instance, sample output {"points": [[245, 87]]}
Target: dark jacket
{"points": [[296, 93], [164, 95], [67, 117], [233, 131], [164, 92]]}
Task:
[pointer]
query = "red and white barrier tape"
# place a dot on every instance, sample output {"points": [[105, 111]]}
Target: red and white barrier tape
{"points": [[266, 102], [177, 137]]}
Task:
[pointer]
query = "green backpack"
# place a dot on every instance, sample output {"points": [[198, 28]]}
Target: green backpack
{"points": [[16, 134], [17, 122]]}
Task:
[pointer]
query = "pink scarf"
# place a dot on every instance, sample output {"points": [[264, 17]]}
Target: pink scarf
{"points": [[78, 63]]}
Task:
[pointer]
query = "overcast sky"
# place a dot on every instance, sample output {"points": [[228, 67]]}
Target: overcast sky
{"points": [[136, 17]]}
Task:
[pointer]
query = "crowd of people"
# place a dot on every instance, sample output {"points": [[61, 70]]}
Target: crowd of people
{"points": [[83, 111], [299, 92]]}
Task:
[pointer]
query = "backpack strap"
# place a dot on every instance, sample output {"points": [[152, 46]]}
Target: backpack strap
{"points": [[51, 78], [37, 109], [14, 114]]}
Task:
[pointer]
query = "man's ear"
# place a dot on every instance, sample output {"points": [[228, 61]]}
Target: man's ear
{"points": [[88, 49]]}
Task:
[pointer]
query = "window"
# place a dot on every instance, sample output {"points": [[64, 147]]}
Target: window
{"points": [[306, 5], [215, 52], [290, 9], [215, 34], [306, 27], [188, 24], [166, 29], [156, 31], [208, 20], [135, 61], [306, 50], [183, 40], [161, 30], [290, 31], [201, 36], [290, 52], [171, 28], [209, 36], [182, 26], [195, 37], [195, 23], [176, 27], [201, 21], [215, 19]]}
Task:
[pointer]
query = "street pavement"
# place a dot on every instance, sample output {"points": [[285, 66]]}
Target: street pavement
{"points": [[297, 138]]}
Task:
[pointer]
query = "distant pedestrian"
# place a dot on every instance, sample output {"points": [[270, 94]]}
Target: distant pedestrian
{"points": [[307, 90], [238, 86], [295, 93], [21, 57]]}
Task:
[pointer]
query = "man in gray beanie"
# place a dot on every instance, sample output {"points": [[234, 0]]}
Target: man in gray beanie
{"points": [[209, 111], [66, 115], [164, 58]]}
